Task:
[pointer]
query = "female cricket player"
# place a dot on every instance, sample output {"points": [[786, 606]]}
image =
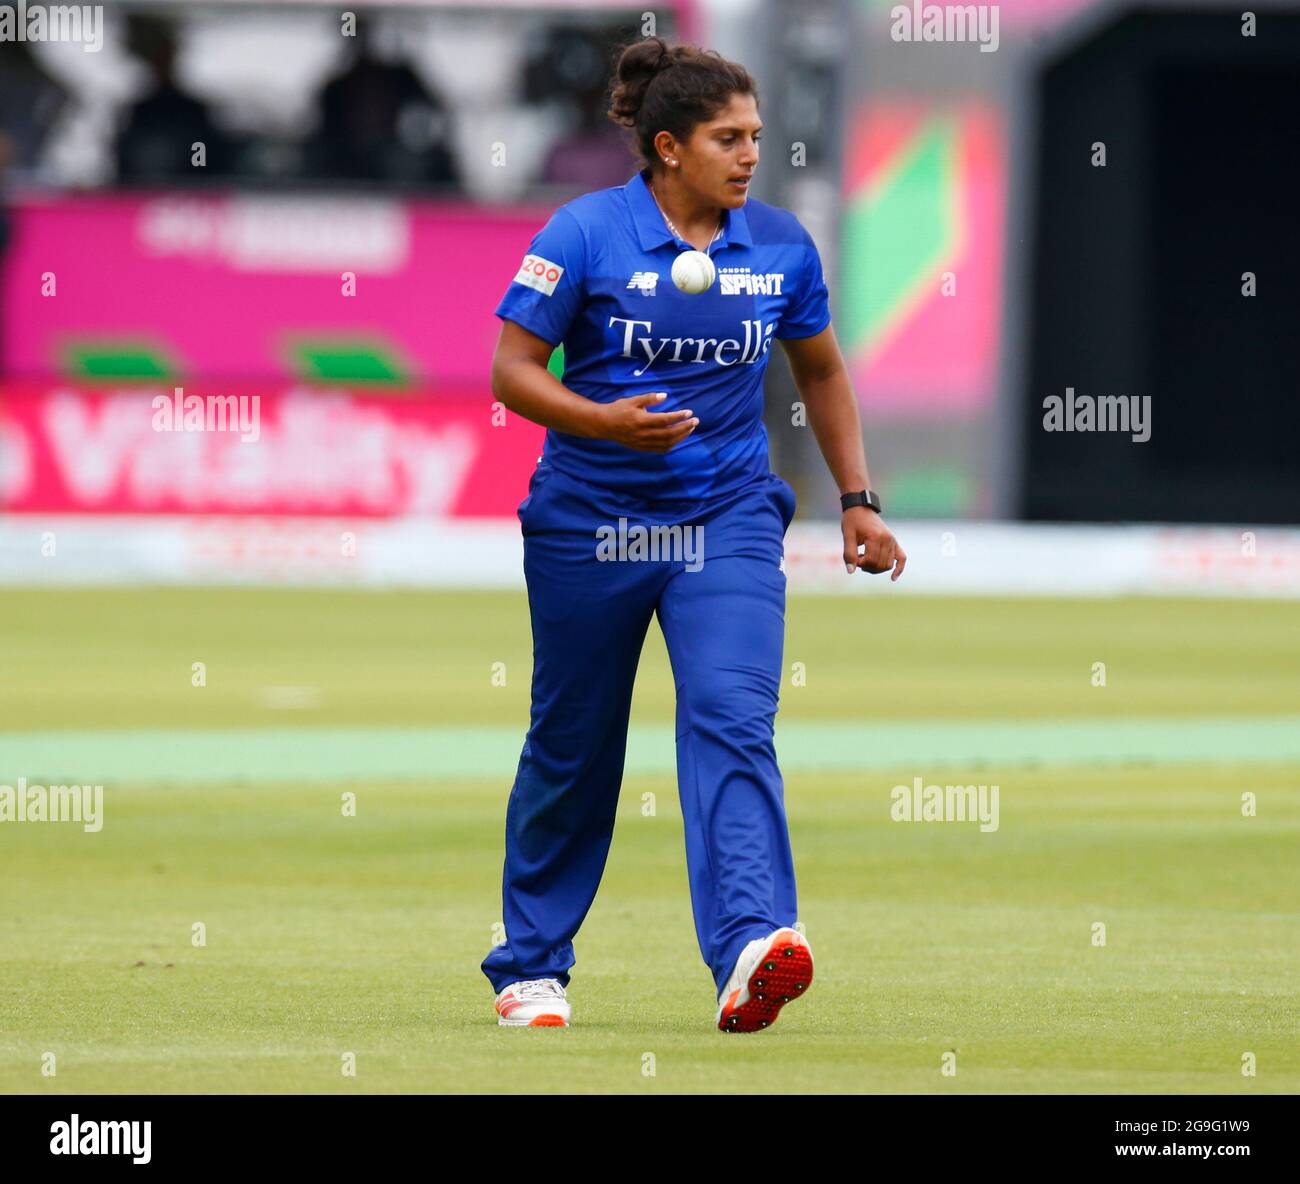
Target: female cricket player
{"points": [[657, 427]]}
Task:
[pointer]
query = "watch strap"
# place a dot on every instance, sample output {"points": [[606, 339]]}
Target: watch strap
{"points": [[860, 497]]}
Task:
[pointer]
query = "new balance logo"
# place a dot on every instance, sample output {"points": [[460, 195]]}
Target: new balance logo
{"points": [[644, 282], [739, 281]]}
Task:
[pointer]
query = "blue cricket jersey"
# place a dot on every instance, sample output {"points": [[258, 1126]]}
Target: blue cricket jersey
{"points": [[598, 278]]}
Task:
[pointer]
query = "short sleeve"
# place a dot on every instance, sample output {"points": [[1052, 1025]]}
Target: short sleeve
{"points": [[808, 312], [547, 291]]}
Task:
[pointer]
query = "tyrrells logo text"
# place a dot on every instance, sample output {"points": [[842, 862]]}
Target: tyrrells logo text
{"points": [[756, 341]]}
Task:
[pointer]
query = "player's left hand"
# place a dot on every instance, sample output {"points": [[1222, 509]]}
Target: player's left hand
{"points": [[881, 551]]}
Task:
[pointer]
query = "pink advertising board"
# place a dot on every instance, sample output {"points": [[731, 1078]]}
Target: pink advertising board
{"points": [[260, 450], [245, 286]]}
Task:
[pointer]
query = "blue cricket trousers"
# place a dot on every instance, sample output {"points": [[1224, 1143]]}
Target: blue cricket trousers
{"points": [[722, 611]]}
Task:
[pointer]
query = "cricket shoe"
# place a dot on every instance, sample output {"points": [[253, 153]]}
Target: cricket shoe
{"points": [[770, 972], [533, 1003]]}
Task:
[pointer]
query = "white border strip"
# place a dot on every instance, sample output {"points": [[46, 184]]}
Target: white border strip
{"points": [[944, 558]]}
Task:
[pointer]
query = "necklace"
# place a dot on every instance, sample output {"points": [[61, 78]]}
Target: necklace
{"points": [[674, 229]]}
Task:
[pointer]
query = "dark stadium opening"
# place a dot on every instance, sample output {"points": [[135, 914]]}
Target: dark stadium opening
{"points": [[1142, 271]]}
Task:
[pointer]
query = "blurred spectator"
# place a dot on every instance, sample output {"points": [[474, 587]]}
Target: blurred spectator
{"points": [[380, 123], [594, 155], [155, 146], [30, 103], [570, 70]]}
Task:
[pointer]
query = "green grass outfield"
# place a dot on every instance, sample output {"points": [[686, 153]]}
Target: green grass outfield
{"points": [[328, 935]]}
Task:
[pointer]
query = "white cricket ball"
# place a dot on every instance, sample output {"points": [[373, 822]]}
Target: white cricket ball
{"points": [[693, 272]]}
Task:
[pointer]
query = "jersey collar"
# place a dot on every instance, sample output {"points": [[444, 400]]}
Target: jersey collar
{"points": [[653, 231]]}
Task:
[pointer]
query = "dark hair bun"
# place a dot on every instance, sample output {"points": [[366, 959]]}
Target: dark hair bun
{"points": [[637, 67], [670, 88]]}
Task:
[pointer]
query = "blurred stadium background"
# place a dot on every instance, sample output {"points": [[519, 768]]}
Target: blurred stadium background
{"points": [[978, 262], [338, 606]]}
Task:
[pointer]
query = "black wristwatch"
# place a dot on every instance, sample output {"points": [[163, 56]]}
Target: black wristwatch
{"points": [[862, 497]]}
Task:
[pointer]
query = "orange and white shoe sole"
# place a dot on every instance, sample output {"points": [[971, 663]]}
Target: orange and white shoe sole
{"points": [[779, 977], [545, 1020], [538, 1021]]}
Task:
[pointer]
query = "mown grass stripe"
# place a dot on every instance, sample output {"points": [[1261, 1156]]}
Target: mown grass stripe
{"points": [[317, 755]]}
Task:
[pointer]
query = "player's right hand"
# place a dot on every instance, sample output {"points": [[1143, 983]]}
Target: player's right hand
{"points": [[628, 422]]}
